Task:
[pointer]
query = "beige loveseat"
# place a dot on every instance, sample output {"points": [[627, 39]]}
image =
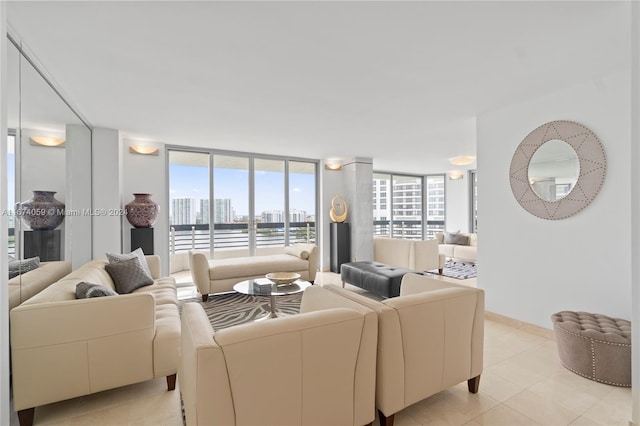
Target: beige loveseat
{"points": [[316, 368], [219, 275], [462, 253], [63, 347], [430, 338], [27, 285]]}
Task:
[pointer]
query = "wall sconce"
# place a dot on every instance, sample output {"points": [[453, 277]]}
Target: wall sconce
{"points": [[462, 161], [143, 150], [46, 141], [456, 174], [333, 165]]}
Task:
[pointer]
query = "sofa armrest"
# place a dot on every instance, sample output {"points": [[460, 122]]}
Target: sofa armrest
{"points": [[314, 257], [199, 265], [202, 374], [53, 323], [416, 283], [153, 260]]}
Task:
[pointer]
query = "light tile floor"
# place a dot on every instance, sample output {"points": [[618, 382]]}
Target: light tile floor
{"points": [[523, 383]]}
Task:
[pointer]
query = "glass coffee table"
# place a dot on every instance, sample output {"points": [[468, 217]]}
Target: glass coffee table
{"points": [[264, 287]]}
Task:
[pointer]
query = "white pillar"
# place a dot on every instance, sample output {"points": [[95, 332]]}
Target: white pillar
{"points": [[78, 246], [358, 188], [107, 191]]}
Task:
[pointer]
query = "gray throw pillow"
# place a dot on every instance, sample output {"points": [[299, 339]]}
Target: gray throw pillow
{"points": [[456, 238], [17, 267], [128, 275], [84, 290], [116, 257]]}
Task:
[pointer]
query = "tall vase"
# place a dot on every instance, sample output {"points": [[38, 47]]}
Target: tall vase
{"points": [[142, 212], [42, 212]]}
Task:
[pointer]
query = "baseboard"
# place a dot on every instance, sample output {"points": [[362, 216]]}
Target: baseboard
{"points": [[524, 326]]}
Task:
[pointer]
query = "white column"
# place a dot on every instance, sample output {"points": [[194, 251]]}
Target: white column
{"points": [[358, 187], [77, 228], [107, 192]]}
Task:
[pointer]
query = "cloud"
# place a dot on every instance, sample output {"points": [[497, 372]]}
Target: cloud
{"points": [[297, 190]]}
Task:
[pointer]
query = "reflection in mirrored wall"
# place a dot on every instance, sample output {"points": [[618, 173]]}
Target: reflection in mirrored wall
{"points": [[49, 177]]}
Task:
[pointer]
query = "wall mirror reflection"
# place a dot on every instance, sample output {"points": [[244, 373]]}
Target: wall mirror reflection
{"points": [[554, 170], [46, 141]]}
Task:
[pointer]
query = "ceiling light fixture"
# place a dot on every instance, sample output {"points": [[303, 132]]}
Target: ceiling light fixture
{"points": [[462, 161], [46, 141], [456, 174], [333, 165], [143, 150]]}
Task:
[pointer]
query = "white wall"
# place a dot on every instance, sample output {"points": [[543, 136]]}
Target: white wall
{"points": [[147, 174], [530, 267], [457, 200], [42, 168], [635, 210]]}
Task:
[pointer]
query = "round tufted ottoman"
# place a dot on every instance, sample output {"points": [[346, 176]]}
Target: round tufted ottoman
{"points": [[594, 346]]}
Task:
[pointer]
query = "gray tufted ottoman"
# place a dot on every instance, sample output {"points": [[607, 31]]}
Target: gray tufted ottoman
{"points": [[594, 346]]}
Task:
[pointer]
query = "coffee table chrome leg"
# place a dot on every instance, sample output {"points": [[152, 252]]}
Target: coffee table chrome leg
{"points": [[272, 305]]}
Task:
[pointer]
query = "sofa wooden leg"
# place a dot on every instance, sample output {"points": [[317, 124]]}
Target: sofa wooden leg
{"points": [[171, 382], [342, 284], [474, 384], [25, 417], [440, 271], [205, 297], [385, 420]]}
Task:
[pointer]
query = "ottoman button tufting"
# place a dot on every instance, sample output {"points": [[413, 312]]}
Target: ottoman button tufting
{"points": [[594, 346]]}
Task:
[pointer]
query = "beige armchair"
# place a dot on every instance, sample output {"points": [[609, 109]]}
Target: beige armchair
{"points": [[429, 339], [314, 368]]}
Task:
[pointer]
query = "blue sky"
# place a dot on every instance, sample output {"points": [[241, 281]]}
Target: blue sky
{"points": [[193, 182]]}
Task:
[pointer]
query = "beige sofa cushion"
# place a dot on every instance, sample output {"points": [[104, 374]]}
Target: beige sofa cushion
{"points": [[257, 265], [393, 251], [27, 285]]}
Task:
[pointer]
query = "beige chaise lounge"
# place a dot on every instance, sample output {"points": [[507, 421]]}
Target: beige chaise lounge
{"points": [[63, 347], [429, 339], [33, 282], [316, 368], [462, 253], [219, 275]]}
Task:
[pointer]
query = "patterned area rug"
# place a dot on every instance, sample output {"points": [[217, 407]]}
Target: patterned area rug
{"points": [[229, 309], [459, 270]]}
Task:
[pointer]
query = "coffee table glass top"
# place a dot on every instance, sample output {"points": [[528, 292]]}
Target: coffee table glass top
{"points": [[264, 287]]}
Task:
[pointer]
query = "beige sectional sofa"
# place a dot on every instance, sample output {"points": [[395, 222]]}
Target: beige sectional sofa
{"points": [[462, 253], [430, 338], [316, 368], [63, 347], [219, 275], [33, 282]]}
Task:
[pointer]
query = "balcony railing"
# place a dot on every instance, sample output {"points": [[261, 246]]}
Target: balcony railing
{"points": [[236, 235], [409, 229]]}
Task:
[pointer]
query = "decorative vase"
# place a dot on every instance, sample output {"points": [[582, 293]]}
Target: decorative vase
{"points": [[42, 212], [142, 212]]}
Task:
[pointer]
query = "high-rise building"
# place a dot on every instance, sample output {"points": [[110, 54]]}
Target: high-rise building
{"points": [[183, 211], [272, 216], [297, 215], [223, 211], [203, 214]]}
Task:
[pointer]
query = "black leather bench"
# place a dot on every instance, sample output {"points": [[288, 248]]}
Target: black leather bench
{"points": [[375, 277]]}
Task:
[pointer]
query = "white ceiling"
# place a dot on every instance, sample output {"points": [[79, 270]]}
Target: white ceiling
{"points": [[400, 82]]}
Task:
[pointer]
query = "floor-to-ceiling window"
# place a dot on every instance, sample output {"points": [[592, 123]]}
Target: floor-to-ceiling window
{"points": [[11, 191], [435, 205], [398, 205], [188, 201], [254, 202]]}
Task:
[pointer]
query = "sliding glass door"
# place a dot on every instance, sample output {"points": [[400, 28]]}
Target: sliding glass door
{"points": [[255, 203]]}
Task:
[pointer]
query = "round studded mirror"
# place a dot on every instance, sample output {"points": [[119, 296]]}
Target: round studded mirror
{"points": [[546, 192]]}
